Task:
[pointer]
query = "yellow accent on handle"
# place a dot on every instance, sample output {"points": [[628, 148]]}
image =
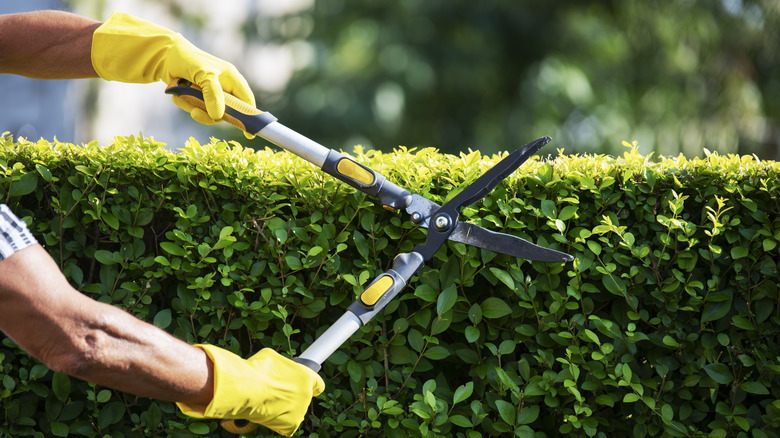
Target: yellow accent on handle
{"points": [[230, 102], [370, 296], [232, 426], [239, 105], [354, 171]]}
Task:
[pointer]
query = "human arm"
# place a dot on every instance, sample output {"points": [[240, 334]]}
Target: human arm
{"points": [[61, 45], [97, 342], [47, 45]]}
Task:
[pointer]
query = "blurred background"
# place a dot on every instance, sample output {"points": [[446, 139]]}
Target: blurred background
{"points": [[455, 75]]}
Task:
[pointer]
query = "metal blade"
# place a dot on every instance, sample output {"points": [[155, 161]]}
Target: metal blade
{"points": [[490, 179], [475, 235]]}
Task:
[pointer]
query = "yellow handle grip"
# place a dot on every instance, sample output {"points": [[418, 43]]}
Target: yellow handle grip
{"points": [[238, 426], [376, 290], [237, 112]]}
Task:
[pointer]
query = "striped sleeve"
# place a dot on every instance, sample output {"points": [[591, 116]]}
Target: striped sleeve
{"points": [[14, 234]]}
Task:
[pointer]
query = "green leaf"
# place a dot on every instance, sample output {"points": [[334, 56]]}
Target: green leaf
{"points": [[416, 340], [739, 252], [460, 421], [714, 311], [493, 308], [463, 392], [507, 346], [742, 422], [294, 262], [361, 243], [204, 249], [59, 429], [44, 172], [529, 414], [630, 397], [38, 371], [754, 388], [437, 352], [103, 396], [614, 285], [110, 220], [111, 413], [472, 334], [446, 300], [607, 399], [507, 380], [198, 428], [743, 322], [568, 212], [163, 318], [594, 247], [504, 277], [560, 226], [667, 413], [425, 292], [719, 372], [60, 385], [105, 257], [548, 209], [506, 411], [25, 185], [475, 313], [592, 336], [355, 371], [225, 232], [670, 341], [9, 382], [172, 248]]}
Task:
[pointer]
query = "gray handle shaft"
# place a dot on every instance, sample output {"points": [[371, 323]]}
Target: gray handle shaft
{"points": [[296, 143], [373, 299]]}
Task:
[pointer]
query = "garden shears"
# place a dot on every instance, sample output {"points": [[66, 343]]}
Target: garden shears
{"points": [[441, 221]]}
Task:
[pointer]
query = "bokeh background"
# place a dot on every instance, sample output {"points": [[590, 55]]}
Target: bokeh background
{"points": [[677, 76]]}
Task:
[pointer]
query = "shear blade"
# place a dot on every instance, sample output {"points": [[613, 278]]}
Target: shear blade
{"points": [[475, 235]]}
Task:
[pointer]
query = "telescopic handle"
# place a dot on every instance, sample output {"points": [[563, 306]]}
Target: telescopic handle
{"points": [[253, 121], [256, 122], [373, 299]]}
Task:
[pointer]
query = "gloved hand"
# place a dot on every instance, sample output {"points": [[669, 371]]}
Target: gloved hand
{"points": [[267, 389], [128, 49]]}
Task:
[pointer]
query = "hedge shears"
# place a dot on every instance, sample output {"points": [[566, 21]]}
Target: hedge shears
{"points": [[441, 221]]}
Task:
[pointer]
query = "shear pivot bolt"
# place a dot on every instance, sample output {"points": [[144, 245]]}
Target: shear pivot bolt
{"points": [[416, 217], [441, 222]]}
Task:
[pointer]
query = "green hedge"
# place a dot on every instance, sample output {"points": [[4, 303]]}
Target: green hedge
{"points": [[667, 323]]}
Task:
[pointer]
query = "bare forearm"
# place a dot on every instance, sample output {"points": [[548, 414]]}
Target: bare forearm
{"points": [[130, 355], [97, 342], [47, 45]]}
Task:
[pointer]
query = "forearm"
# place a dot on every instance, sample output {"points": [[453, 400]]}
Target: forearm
{"points": [[125, 353], [97, 342], [47, 45]]}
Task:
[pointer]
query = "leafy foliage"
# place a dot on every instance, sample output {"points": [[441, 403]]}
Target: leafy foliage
{"points": [[666, 324]]}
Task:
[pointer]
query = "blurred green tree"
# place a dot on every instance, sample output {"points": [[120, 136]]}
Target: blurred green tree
{"points": [[676, 76]]}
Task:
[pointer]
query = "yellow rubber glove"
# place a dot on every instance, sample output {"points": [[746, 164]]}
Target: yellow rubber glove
{"points": [[128, 49], [266, 389]]}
